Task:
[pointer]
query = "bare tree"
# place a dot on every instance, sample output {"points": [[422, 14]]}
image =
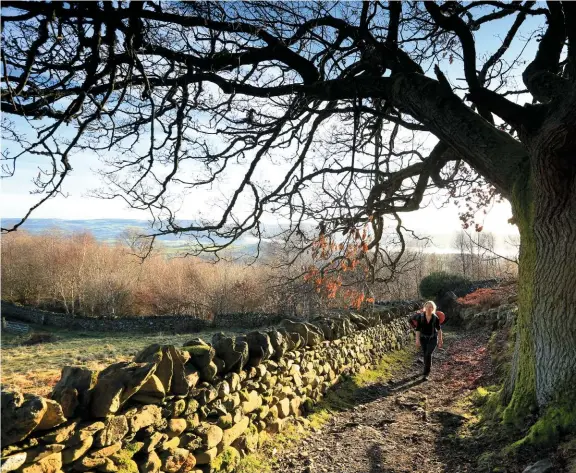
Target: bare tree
{"points": [[327, 107], [461, 244]]}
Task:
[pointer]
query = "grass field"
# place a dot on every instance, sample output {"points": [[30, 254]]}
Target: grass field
{"points": [[36, 368]]}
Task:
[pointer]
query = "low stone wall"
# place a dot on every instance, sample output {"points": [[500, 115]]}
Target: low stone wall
{"points": [[158, 323], [499, 317], [198, 408], [246, 321], [170, 324]]}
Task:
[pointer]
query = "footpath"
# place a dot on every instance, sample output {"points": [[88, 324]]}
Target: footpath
{"points": [[405, 425]]}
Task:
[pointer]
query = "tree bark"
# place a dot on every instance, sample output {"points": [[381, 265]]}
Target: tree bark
{"points": [[544, 205]]}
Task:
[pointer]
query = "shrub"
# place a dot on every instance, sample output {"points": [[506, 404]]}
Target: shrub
{"points": [[488, 298], [440, 282]]}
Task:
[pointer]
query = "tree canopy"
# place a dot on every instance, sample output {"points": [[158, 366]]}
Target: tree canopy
{"points": [[335, 113]]}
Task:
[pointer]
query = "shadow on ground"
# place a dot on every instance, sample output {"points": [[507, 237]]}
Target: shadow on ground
{"points": [[373, 392]]}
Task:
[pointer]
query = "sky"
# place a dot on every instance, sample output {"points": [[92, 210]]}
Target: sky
{"points": [[79, 204]]}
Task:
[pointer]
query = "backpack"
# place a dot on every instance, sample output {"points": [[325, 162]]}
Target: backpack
{"points": [[414, 319]]}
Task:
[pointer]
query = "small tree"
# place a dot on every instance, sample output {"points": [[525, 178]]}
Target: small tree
{"points": [[436, 284]]}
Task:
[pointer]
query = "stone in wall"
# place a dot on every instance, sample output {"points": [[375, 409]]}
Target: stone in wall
{"points": [[74, 389]]}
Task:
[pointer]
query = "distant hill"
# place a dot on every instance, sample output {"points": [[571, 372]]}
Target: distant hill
{"points": [[110, 230]]}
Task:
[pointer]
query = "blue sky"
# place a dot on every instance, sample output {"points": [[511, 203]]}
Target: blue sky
{"points": [[16, 196]]}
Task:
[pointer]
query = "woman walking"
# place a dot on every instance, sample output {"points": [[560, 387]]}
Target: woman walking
{"points": [[428, 335]]}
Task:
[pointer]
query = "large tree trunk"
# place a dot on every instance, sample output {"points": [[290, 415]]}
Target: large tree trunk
{"points": [[544, 205]]}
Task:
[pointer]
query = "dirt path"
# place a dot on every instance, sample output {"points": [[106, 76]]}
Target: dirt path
{"points": [[405, 425]]}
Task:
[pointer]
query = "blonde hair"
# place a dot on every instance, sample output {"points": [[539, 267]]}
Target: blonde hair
{"points": [[432, 304]]}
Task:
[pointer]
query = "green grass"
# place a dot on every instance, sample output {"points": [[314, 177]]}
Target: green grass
{"points": [[37, 368]]}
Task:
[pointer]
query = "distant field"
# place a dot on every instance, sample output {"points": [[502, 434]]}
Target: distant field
{"points": [[37, 368]]}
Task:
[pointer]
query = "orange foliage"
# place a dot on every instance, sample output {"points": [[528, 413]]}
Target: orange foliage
{"points": [[337, 258], [487, 298]]}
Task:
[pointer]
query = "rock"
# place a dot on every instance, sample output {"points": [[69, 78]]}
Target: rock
{"points": [[276, 426], [151, 354], [211, 435], [33, 455], [206, 457], [20, 415], [195, 342], [52, 417], [88, 463], [153, 440], [163, 357], [251, 401], [283, 408], [296, 327], [176, 427], [60, 435], [123, 458], [144, 417], [106, 451], [219, 364], [125, 465], [259, 347], [50, 464], [263, 411], [279, 343], [13, 462], [234, 380], [178, 407], [108, 466], [164, 369], [273, 413], [295, 407], [83, 431], [234, 356], [223, 389], [191, 442], [180, 380], [74, 389], [116, 384], [151, 463], [170, 444], [227, 461], [201, 355], [192, 421], [315, 335], [225, 421], [75, 452], [191, 407], [359, 321], [192, 375], [248, 442], [174, 459], [151, 392], [231, 434], [209, 372], [189, 464], [543, 466], [116, 428]]}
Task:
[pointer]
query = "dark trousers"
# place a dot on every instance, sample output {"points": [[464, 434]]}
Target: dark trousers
{"points": [[428, 346]]}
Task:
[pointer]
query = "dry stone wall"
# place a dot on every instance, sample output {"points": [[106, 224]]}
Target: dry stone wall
{"points": [[196, 408], [152, 323]]}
